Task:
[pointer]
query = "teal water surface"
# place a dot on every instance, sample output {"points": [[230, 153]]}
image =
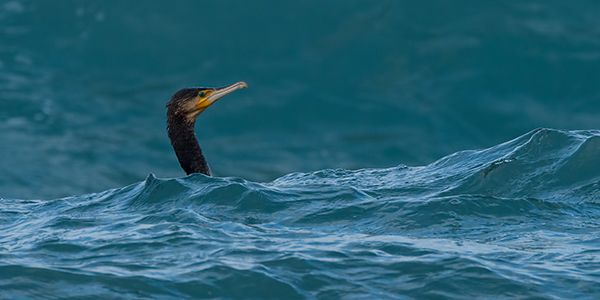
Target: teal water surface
{"points": [[384, 150]]}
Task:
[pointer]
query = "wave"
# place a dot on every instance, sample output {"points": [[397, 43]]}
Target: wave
{"points": [[471, 216], [544, 164]]}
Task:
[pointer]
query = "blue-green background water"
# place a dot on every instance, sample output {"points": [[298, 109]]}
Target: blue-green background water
{"points": [[340, 172]]}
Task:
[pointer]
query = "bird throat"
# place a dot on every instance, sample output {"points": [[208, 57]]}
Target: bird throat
{"points": [[184, 142]]}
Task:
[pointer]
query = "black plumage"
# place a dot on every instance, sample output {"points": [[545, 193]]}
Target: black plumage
{"points": [[182, 110]]}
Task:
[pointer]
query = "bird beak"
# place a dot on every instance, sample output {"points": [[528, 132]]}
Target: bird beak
{"points": [[220, 92]]}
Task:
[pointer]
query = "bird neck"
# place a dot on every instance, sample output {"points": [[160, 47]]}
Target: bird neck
{"points": [[184, 142]]}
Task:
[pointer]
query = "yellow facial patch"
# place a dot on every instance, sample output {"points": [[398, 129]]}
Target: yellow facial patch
{"points": [[202, 101]]}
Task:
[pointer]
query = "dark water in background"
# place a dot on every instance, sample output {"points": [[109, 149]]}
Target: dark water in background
{"points": [[335, 86]]}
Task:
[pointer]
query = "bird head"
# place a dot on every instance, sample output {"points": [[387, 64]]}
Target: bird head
{"points": [[190, 102]]}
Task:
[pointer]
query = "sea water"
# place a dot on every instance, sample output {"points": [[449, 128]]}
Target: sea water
{"points": [[383, 150]]}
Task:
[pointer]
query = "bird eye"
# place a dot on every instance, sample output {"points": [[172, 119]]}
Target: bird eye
{"points": [[202, 94]]}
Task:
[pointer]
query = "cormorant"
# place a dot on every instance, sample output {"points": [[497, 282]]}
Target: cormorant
{"points": [[182, 111]]}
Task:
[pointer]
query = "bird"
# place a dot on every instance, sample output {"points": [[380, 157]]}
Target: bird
{"points": [[183, 109]]}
